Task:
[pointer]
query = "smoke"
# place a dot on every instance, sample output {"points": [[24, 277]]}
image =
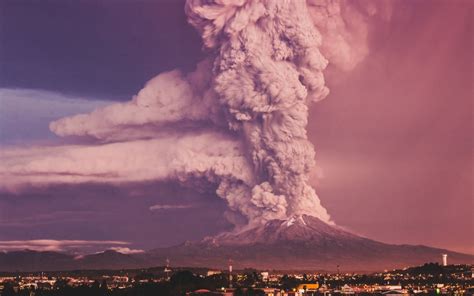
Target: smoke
{"points": [[345, 26], [268, 68], [169, 100], [237, 123]]}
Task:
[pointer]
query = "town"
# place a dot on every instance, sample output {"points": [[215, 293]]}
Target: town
{"points": [[430, 278]]}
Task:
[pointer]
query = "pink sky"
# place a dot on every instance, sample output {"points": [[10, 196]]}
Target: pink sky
{"points": [[395, 135]]}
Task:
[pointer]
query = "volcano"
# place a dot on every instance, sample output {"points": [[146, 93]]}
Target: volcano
{"points": [[298, 243], [301, 243]]}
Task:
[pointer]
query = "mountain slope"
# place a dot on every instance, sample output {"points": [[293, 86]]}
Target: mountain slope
{"points": [[51, 261]]}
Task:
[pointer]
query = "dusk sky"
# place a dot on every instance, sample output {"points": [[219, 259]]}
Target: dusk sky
{"points": [[393, 138]]}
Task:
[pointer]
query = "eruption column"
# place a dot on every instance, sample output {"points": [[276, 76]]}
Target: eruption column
{"points": [[267, 70]]}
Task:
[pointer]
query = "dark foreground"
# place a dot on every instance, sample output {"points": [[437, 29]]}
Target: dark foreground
{"points": [[426, 279]]}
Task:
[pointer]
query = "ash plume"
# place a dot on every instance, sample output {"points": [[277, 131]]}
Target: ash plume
{"points": [[237, 123], [268, 68]]}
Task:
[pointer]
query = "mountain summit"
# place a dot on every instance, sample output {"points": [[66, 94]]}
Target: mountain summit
{"points": [[297, 228]]}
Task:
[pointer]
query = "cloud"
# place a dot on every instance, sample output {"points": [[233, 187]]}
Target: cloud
{"points": [[125, 250], [180, 157], [55, 245], [170, 207]]}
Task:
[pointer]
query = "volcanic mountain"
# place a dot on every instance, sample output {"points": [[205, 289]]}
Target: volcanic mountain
{"points": [[301, 243], [298, 243]]}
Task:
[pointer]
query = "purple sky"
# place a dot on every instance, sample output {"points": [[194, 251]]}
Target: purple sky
{"points": [[393, 139]]}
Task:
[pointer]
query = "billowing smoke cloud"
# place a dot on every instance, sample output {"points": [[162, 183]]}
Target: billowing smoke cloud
{"points": [[268, 68], [171, 99], [238, 122], [345, 26]]}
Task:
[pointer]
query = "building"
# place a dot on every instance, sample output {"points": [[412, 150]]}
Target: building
{"points": [[307, 287], [213, 272]]}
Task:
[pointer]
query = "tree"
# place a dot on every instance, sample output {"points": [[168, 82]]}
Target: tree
{"points": [[104, 290], [184, 281], [8, 290], [60, 284], [288, 282], [239, 292]]}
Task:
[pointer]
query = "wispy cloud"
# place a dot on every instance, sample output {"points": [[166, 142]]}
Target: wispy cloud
{"points": [[125, 250], [56, 245], [160, 207]]}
